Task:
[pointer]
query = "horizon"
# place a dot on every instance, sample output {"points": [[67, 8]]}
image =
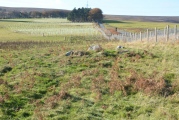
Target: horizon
{"points": [[128, 8]]}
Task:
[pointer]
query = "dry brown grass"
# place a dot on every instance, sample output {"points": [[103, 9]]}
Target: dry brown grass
{"points": [[138, 83], [1, 99], [147, 85]]}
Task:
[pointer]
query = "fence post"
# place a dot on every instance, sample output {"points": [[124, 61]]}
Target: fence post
{"points": [[175, 29], [167, 32], [147, 34], [135, 36], [155, 34], [164, 31], [140, 36]]}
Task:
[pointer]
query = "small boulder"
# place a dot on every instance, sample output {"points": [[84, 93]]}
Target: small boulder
{"points": [[96, 48], [69, 53], [119, 47], [76, 53]]}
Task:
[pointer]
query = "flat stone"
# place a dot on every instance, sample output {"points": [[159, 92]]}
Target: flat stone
{"points": [[96, 48]]}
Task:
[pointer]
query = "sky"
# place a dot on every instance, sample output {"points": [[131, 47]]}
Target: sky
{"points": [[114, 7]]}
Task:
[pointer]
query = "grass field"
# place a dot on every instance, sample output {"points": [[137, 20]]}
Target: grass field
{"points": [[136, 26], [37, 80], [44, 29]]}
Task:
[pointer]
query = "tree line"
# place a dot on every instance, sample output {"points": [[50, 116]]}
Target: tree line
{"points": [[76, 15], [33, 14], [85, 15]]}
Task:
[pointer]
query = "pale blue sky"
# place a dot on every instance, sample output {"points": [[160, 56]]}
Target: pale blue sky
{"points": [[115, 7]]}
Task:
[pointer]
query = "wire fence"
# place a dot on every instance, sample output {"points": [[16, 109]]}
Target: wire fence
{"points": [[166, 34]]}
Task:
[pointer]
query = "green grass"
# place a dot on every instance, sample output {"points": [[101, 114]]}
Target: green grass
{"points": [[45, 29], [136, 26], [37, 80]]}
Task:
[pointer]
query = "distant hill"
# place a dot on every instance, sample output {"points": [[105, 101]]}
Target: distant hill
{"points": [[22, 12], [173, 19], [25, 9]]}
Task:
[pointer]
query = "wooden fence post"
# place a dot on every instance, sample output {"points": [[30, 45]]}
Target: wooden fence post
{"points": [[175, 29], [135, 36], [140, 36], [155, 34], [164, 31], [147, 34], [167, 32]]}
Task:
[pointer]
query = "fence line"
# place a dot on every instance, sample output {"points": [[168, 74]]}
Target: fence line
{"points": [[150, 35]]}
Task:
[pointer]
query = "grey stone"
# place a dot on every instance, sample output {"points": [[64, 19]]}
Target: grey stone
{"points": [[69, 53], [76, 53], [119, 47], [96, 48]]}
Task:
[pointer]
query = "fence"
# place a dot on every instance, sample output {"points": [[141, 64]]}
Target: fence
{"points": [[156, 35]]}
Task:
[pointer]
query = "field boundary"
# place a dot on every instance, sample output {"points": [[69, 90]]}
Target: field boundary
{"points": [[164, 35]]}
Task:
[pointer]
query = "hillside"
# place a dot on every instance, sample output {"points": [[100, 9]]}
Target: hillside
{"points": [[172, 19]]}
